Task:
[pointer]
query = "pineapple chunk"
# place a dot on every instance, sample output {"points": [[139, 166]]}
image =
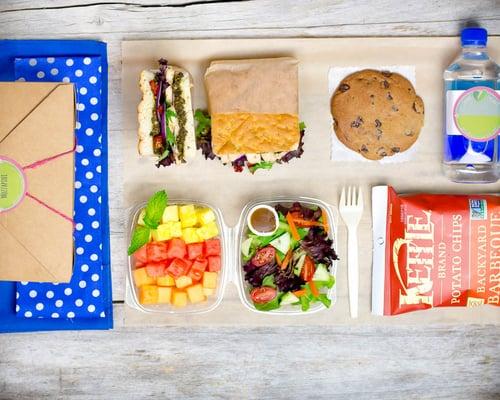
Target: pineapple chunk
{"points": [[187, 215], [208, 231], [164, 295], [142, 278], [208, 292], [190, 235], [165, 281], [195, 293], [140, 220], [179, 298], [183, 281], [205, 215], [148, 294], [209, 280], [175, 229], [171, 214], [163, 232]]}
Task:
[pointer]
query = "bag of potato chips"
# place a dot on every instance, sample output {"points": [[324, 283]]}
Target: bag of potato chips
{"points": [[434, 250]]}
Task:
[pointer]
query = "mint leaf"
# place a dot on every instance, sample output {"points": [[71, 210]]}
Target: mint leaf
{"points": [[203, 122], [154, 209], [268, 281], [302, 126], [139, 238], [261, 165], [480, 95]]}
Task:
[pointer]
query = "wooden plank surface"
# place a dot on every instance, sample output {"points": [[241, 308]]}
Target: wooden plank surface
{"points": [[361, 361]]}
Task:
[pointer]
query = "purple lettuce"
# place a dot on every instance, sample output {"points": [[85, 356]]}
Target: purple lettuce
{"points": [[318, 245]]}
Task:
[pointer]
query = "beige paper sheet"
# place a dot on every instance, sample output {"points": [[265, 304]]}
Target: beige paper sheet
{"points": [[314, 174]]}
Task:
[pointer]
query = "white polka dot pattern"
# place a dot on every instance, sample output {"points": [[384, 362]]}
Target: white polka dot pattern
{"points": [[84, 296]]}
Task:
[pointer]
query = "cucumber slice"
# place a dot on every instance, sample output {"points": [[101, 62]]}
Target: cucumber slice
{"points": [[289, 298], [245, 246], [321, 273], [282, 243]]}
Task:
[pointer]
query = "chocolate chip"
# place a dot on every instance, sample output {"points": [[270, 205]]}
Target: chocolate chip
{"points": [[415, 107], [344, 87], [396, 149], [379, 133], [357, 123], [364, 149], [378, 124], [387, 74], [335, 124], [372, 99], [389, 97], [409, 133], [381, 152], [385, 84], [394, 108]]}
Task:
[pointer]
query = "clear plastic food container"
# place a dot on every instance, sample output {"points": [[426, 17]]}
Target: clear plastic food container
{"points": [[231, 260], [131, 295]]}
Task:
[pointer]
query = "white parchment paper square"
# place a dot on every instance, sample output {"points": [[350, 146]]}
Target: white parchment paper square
{"points": [[339, 152]]}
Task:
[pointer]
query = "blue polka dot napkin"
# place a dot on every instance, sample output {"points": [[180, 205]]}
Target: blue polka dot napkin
{"points": [[85, 296]]}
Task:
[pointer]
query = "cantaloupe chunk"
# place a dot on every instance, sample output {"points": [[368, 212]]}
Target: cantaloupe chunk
{"points": [[210, 280], [164, 295], [183, 281], [179, 298], [142, 278], [195, 293], [148, 294], [166, 280]]}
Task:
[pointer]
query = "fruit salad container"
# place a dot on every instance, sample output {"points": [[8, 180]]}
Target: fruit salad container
{"points": [[211, 300], [231, 261]]}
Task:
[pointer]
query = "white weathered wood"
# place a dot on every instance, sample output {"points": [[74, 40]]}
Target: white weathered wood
{"points": [[228, 363], [353, 362]]}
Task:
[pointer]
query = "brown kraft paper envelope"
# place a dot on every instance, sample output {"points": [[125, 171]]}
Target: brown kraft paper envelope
{"points": [[254, 105], [37, 123]]}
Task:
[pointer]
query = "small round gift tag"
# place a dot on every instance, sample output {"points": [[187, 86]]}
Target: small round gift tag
{"points": [[12, 184]]}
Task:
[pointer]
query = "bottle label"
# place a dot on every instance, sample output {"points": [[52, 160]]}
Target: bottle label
{"points": [[12, 184], [473, 113]]}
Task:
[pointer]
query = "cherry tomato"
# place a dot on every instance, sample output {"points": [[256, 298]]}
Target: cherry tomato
{"points": [[307, 269], [158, 144], [264, 256], [263, 295]]}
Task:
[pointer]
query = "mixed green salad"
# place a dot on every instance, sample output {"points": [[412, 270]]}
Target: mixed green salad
{"points": [[293, 265]]}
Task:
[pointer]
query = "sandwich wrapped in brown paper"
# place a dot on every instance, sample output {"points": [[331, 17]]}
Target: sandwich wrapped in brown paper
{"points": [[253, 105]]}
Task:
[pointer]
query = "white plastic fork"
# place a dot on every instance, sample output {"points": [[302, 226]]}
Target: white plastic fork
{"points": [[351, 209]]}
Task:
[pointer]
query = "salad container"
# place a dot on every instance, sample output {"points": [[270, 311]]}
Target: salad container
{"points": [[232, 262]]}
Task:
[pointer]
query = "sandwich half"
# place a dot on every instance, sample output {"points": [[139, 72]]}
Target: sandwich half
{"points": [[165, 114], [254, 110]]}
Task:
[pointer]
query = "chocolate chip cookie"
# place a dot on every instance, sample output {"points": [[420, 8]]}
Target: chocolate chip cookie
{"points": [[377, 113]]}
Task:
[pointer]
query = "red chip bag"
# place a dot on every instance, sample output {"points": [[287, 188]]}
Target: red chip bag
{"points": [[434, 251]]}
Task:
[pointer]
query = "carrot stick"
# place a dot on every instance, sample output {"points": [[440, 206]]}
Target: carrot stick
{"points": [[306, 223], [314, 289], [293, 228], [325, 220], [286, 259], [278, 261], [300, 293]]}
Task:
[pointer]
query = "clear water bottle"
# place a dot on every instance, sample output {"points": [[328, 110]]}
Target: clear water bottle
{"points": [[472, 113]]}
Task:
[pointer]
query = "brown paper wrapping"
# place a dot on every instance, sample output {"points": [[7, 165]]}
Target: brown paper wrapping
{"points": [[253, 104]]}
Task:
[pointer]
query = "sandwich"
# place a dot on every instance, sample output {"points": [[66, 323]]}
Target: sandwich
{"points": [[166, 123], [252, 118]]}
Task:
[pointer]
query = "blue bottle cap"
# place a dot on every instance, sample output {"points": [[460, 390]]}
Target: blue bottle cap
{"points": [[474, 37]]}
